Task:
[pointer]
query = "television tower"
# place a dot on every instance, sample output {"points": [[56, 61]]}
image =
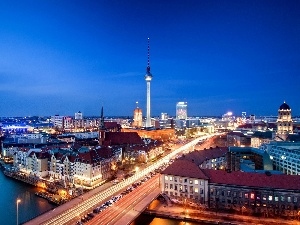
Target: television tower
{"points": [[148, 78]]}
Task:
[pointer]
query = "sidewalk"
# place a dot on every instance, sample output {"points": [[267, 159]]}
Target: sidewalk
{"points": [[179, 212]]}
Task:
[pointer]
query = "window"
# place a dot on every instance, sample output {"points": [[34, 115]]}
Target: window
{"points": [[234, 194], [180, 179], [196, 190], [282, 198], [264, 198], [191, 181], [295, 199], [228, 193], [185, 180], [175, 179], [246, 195], [196, 182], [171, 186], [166, 185], [276, 198], [176, 187], [289, 199], [270, 198], [166, 178], [252, 196], [171, 178], [191, 189]]}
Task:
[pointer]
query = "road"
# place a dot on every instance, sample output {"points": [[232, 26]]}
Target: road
{"points": [[127, 203], [73, 209]]}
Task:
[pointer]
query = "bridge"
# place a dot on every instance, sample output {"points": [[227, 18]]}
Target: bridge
{"points": [[70, 212]]}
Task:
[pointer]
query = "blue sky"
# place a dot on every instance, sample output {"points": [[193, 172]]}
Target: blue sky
{"points": [[60, 57]]}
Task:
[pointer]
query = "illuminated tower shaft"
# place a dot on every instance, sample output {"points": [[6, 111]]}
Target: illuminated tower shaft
{"points": [[148, 120], [148, 78]]}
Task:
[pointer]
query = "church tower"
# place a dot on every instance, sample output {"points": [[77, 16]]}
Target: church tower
{"points": [[101, 130], [284, 121], [137, 117]]}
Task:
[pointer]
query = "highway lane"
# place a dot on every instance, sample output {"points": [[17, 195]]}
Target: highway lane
{"points": [[67, 212], [125, 204]]}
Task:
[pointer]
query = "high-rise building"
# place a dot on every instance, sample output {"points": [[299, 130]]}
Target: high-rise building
{"points": [[181, 110], [164, 116], [148, 78], [78, 115], [284, 121], [137, 117]]}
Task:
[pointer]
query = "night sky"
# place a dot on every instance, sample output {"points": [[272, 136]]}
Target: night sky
{"points": [[60, 57]]}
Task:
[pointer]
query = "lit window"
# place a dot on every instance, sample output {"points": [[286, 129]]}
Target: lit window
{"points": [[276, 198], [270, 198], [171, 178], [246, 195], [196, 190], [252, 196], [289, 199], [196, 182], [166, 178]]}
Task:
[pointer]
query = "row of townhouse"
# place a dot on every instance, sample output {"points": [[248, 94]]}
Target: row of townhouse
{"points": [[87, 166], [261, 193]]}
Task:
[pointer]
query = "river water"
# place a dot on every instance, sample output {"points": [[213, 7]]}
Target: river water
{"points": [[29, 207]]}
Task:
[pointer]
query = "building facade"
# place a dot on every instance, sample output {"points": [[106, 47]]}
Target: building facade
{"points": [[181, 110], [284, 121]]}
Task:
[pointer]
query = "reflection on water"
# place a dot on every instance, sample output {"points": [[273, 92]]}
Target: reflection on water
{"points": [[29, 207], [151, 220]]}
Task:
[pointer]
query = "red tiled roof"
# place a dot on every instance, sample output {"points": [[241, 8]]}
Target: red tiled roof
{"points": [[278, 181], [247, 125], [199, 156], [94, 155], [184, 168], [121, 138], [111, 125]]}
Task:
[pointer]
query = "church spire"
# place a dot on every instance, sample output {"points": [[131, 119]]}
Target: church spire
{"points": [[101, 124]]}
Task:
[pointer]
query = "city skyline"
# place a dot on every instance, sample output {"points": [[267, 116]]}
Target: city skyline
{"points": [[219, 56]]}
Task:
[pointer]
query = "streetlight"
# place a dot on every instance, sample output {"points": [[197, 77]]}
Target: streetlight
{"points": [[18, 201]]}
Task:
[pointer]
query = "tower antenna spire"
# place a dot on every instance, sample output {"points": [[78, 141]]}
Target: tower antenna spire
{"points": [[148, 62]]}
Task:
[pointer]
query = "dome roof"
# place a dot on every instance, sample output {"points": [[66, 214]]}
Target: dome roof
{"points": [[284, 106]]}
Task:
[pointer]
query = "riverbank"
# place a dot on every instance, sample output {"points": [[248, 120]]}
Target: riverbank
{"points": [[208, 217]]}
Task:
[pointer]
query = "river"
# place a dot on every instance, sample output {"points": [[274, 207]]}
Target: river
{"points": [[151, 220], [29, 207]]}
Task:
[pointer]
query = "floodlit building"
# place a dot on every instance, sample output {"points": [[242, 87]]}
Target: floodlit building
{"points": [[137, 117], [78, 115], [284, 121], [181, 110]]}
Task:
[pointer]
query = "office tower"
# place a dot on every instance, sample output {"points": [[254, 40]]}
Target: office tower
{"points": [[181, 110], [148, 78]]}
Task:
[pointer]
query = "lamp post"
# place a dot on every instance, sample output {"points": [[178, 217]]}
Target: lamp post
{"points": [[18, 201]]}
